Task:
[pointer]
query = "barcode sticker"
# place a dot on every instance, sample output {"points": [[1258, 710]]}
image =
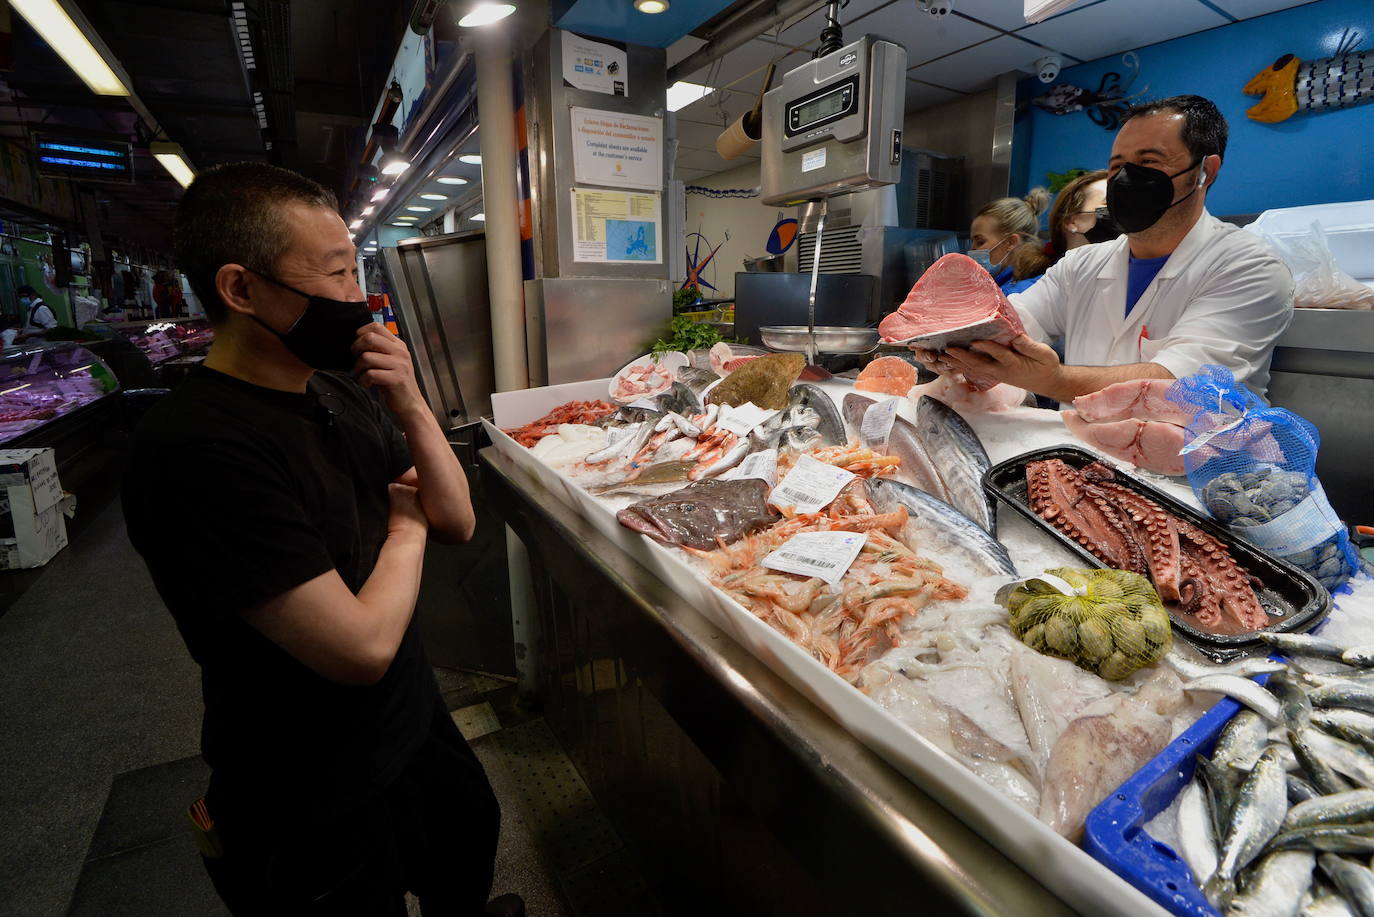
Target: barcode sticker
{"points": [[810, 486], [823, 554], [876, 426], [742, 420], [756, 465]]}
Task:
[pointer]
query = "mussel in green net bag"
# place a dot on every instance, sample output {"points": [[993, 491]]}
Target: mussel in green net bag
{"points": [[1110, 622]]}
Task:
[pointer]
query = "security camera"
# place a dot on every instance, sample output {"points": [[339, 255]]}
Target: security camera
{"points": [[1047, 68], [937, 8]]}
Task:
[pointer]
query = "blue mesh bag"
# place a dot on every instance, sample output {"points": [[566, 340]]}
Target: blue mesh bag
{"points": [[1254, 469]]}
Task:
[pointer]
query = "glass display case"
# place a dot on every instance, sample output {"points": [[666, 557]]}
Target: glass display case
{"points": [[40, 384], [162, 340]]}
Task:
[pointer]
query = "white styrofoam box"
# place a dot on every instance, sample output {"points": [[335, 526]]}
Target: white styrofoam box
{"points": [[519, 407], [34, 526], [1349, 228]]}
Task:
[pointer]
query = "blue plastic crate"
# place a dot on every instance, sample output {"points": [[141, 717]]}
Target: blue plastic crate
{"points": [[1115, 835]]}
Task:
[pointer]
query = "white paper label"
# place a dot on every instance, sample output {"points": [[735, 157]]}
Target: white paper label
{"points": [[756, 465], [877, 423], [813, 160], [1305, 526], [823, 554], [810, 486], [743, 419], [616, 434]]}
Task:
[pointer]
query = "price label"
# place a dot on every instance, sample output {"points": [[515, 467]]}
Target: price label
{"points": [[877, 423], [742, 420], [810, 486], [823, 554], [756, 465]]}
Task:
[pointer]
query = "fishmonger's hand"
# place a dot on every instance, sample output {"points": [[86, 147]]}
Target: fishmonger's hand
{"points": [[1025, 363]]}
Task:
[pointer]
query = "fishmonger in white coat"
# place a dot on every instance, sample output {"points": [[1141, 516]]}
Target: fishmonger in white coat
{"points": [[1180, 289]]}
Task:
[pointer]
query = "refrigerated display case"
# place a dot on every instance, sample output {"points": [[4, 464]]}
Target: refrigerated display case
{"points": [[42, 384], [167, 339]]}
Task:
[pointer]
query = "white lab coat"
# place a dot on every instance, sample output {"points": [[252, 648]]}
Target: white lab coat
{"points": [[1222, 297]]}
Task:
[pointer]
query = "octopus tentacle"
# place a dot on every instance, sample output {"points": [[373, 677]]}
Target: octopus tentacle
{"points": [[1060, 495]]}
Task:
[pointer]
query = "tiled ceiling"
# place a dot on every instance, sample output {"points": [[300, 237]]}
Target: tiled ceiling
{"points": [[947, 57]]}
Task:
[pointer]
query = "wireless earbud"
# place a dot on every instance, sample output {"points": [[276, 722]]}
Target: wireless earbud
{"points": [[1202, 178]]}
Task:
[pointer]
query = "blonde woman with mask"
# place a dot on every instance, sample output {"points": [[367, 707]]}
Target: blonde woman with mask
{"points": [[1002, 228]]}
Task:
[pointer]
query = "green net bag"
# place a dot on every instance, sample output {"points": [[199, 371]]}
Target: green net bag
{"points": [[1110, 622]]}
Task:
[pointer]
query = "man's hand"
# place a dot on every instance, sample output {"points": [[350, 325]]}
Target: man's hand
{"points": [[384, 362], [1026, 363], [407, 517]]}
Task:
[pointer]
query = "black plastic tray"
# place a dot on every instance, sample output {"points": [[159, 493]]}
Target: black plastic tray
{"points": [[1289, 593]]}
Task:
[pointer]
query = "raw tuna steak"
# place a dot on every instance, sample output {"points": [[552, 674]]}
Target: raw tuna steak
{"points": [[1149, 444], [955, 303], [1141, 399]]}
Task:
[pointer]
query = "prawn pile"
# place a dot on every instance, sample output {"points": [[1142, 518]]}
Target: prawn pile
{"points": [[574, 412], [848, 625]]}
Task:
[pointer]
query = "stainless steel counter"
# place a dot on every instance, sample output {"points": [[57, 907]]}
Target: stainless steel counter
{"points": [[1323, 370], [738, 794]]}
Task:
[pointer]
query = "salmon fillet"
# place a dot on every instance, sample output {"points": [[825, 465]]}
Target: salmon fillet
{"points": [[890, 375]]}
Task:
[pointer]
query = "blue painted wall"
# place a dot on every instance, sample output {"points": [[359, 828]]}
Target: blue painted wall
{"points": [[1311, 158]]}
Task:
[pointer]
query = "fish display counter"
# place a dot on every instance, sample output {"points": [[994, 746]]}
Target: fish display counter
{"points": [[839, 535]]}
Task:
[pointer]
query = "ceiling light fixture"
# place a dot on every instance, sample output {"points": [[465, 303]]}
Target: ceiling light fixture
{"points": [[367, 211], [471, 159], [356, 224], [394, 163], [681, 94], [452, 180], [485, 12], [380, 194], [421, 209], [404, 225], [69, 34], [173, 158], [652, 7], [478, 217], [434, 197]]}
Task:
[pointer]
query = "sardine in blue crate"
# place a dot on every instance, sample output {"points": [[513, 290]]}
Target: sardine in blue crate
{"points": [[1115, 835]]}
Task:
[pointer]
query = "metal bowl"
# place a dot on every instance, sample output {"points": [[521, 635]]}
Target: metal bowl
{"points": [[829, 338]]}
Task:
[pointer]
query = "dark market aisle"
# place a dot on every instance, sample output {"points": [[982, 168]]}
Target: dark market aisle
{"points": [[99, 755]]}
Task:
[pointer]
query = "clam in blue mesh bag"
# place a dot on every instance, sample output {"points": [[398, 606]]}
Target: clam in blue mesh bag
{"points": [[1254, 468]]}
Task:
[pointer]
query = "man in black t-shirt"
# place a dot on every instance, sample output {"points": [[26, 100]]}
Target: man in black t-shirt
{"points": [[283, 514]]}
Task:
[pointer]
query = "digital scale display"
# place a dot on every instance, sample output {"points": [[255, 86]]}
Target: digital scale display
{"points": [[829, 104]]}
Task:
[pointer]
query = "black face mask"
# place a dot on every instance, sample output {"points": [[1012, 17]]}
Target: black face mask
{"points": [[1137, 196], [1104, 230], [322, 337]]}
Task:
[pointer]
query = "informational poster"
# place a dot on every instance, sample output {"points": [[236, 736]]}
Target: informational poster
{"points": [[617, 227], [623, 151], [594, 65]]}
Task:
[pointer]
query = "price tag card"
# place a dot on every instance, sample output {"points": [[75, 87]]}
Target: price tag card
{"points": [[877, 423], [743, 419], [823, 554], [810, 486], [756, 465]]}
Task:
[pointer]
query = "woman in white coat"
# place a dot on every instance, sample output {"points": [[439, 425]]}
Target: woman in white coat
{"points": [[1178, 290]]}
